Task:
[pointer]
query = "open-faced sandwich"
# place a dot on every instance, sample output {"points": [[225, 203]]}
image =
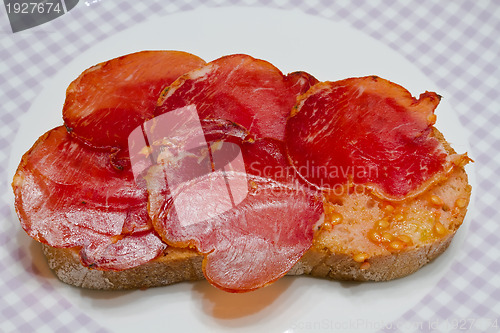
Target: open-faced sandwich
{"points": [[170, 169]]}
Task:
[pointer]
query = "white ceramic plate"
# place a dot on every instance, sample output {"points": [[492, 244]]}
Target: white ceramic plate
{"points": [[292, 41]]}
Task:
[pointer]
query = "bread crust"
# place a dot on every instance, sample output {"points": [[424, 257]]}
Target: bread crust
{"points": [[174, 265], [171, 269]]}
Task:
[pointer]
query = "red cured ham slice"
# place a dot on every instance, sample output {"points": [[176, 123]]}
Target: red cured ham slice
{"points": [[250, 92], [69, 195], [366, 131], [107, 101], [251, 229], [246, 245]]}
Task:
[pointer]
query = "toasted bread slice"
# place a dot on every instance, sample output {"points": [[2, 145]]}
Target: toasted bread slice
{"points": [[376, 241], [364, 239]]}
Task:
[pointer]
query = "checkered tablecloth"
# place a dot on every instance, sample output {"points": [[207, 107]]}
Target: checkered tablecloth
{"points": [[455, 43]]}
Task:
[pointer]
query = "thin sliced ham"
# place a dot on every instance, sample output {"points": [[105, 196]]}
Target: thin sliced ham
{"points": [[249, 238], [366, 131], [239, 88], [107, 101], [69, 195]]}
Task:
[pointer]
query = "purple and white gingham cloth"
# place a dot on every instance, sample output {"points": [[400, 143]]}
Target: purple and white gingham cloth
{"points": [[456, 45]]}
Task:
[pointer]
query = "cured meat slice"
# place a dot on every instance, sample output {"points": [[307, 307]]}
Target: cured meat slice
{"points": [[69, 195], [366, 131], [252, 229], [248, 91], [107, 101], [247, 245]]}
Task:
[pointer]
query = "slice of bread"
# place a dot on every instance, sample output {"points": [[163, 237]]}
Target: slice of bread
{"points": [[362, 238]]}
